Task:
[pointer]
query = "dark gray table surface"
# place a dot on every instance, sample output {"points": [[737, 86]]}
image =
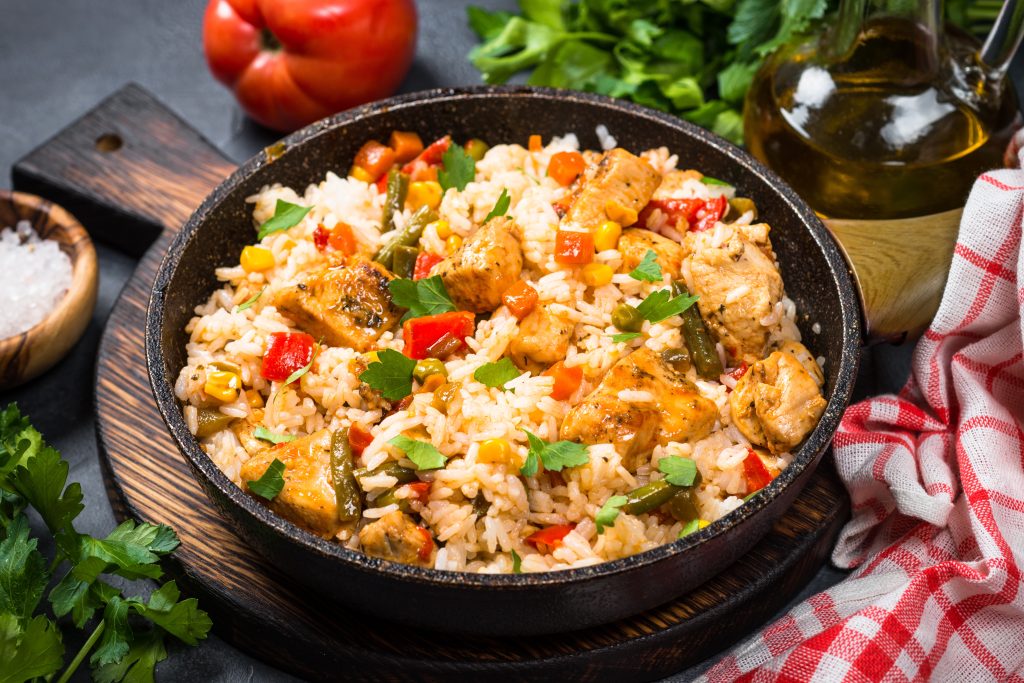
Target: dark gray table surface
{"points": [[58, 58]]}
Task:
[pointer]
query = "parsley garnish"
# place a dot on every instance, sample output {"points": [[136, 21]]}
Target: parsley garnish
{"points": [[422, 297], [660, 305], [286, 215], [708, 180], [390, 374], [458, 168], [270, 482], [495, 375], [609, 512], [691, 526], [422, 454], [678, 471], [265, 434], [625, 336], [500, 206], [750, 495], [249, 302], [517, 563], [648, 269], [555, 456]]}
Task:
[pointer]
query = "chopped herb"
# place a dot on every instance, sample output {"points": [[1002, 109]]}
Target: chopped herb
{"points": [[457, 168], [500, 206], [422, 454], [270, 483], [555, 456], [422, 297], [303, 370], [249, 302], [529, 467], [678, 471], [660, 305], [265, 434], [648, 269], [496, 375], [609, 512], [625, 336], [286, 215], [708, 180], [390, 374], [517, 563], [750, 495], [691, 526]]}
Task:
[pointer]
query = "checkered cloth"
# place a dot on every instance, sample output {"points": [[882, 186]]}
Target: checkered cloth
{"points": [[936, 478]]}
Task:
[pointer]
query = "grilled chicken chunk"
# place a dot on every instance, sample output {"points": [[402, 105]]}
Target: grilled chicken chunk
{"points": [[739, 285], [778, 401], [635, 243], [348, 305], [245, 431], [487, 263], [676, 411], [397, 538], [307, 498], [543, 339], [620, 177]]}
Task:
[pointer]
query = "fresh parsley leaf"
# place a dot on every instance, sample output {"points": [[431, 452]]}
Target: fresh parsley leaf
{"points": [[303, 370], [708, 180], [625, 336], [23, 574], [517, 563], [265, 434], [648, 269], [30, 651], [457, 168], [250, 301], [422, 297], [270, 482], [41, 481], [555, 456], [117, 634], [138, 665], [691, 526], [500, 206], [422, 454], [286, 215], [495, 375], [609, 512], [181, 618], [660, 305], [390, 374], [678, 471], [530, 465]]}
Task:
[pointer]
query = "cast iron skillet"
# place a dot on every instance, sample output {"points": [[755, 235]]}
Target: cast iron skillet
{"points": [[816, 279]]}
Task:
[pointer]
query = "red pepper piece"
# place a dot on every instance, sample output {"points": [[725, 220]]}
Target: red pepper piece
{"points": [[676, 210], [574, 248], [757, 475], [709, 214], [550, 536], [421, 333], [520, 298], [428, 544], [321, 237], [358, 439], [431, 156], [424, 262], [286, 352], [420, 490]]}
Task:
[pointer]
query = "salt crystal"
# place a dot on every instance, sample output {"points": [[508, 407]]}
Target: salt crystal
{"points": [[34, 276]]}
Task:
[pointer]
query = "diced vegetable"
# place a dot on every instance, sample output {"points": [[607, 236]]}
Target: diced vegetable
{"points": [[574, 248], [442, 228], [359, 439], [256, 259], [649, 497], [390, 497], [321, 237], [627, 318], [445, 346], [424, 263], [596, 274], [394, 201], [675, 210], [421, 333], [534, 144], [404, 262], [426, 193], [698, 340], [607, 235], [567, 380], [375, 159], [342, 239], [443, 396], [453, 243], [406, 144], [420, 490], [404, 475], [431, 156], [623, 215], [565, 167], [428, 544], [361, 174], [738, 372], [477, 148], [709, 214], [550, 536], [222, 385], [346, 489], [684, 506], [755, 472], [495, 451], [520, 298], [210, 421], [286, 354], [427, 367], [408, 236], [677, 358]]}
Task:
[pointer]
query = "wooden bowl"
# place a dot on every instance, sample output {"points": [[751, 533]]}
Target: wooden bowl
{"points": [[36, 350]]}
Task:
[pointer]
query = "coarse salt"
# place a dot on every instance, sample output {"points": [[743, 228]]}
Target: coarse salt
{"points": [[36, 275]]}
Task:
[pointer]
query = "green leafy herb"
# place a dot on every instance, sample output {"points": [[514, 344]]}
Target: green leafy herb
{"points": [[660, 305], [690, 527], [750, 495], [457, 168], [555, 456], [495, 375], [678, 471], [390, 374], [270, 483], [265, 434], [708, 180], [609, 512], [530, 465], [286, 215], [517, 563], [625, 336], [250, 301], [500, 206], [422, 297], [648, 268], [422, 454], [303, 370]]}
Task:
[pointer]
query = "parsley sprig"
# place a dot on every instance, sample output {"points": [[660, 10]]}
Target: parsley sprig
{"points": [[555, 456], [457, 168], [660, 305], [496, 375], [390, 374], [648, 269], [286, 215], [609, 512], [500, 206], [422, 297], [422, 454]]}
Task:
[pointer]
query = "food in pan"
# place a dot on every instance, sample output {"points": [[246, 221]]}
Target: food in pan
{"points": [[502, 359]]}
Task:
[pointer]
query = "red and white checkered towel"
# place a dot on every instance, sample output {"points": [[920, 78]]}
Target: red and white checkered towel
{"points": [[936, 477]]}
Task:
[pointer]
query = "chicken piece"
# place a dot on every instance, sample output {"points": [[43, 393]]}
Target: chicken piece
{"points": [[543, 339], [487, 263], [634, 244], [675, 412], [245, 432], [778, 401], [738, 285], [620, 177], [802, 354], [397, 538], [347, 305], [307, 498]]}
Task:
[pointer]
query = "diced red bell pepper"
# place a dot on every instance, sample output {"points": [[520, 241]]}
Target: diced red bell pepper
{"points": [[419, 490], [567, 380], [737, 372], [520, 298], [407, 145], [675, 210], [424, 262], [574, 248], [550, 536], [428, 544], [421, 333], [382, 184], [755, 471], [358, 439], [375, 158], [320, 237], [431, 156], [286, 352], [709, 214]]}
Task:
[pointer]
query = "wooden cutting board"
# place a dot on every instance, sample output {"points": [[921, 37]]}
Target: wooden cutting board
{"points": [[132, 172]]}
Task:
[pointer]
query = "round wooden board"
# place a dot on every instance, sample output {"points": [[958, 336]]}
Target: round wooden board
{"points": [[161, 172]]}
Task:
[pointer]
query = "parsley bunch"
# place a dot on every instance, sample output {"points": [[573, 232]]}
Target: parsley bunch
{"points": [[120, 646]]}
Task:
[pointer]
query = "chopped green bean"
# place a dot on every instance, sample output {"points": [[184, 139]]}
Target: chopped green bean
{"points": [[698, 340], [649, 497], [404, 475], [210, 421], [346, 489], [627, 318], [404, 263], [477, 148], [407, 236], [394, 200]]}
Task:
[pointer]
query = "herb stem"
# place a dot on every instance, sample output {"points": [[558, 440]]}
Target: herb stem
{"points": [[96, 633]]}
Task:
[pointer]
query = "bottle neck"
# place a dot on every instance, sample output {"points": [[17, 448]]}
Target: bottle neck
{"points": [[920, 22]]}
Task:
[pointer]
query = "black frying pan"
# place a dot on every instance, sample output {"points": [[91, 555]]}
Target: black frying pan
{"points": [[814, 271]]}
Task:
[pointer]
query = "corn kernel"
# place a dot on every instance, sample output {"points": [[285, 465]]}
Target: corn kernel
{"points": [[623, 215], [256, 259], [433, 382], [360, 173], [222, 385], [701, 523], [607, 235], [444, 231], [453, 243], [495, 451], [597, 274], [254, 399], [424, 193]]}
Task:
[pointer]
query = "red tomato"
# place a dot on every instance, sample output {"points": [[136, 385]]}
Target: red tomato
{"points": [[292, 63], [286, 352], [424, 262], [550, 536]]}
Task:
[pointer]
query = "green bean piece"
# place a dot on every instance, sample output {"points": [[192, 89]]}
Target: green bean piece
{"points": [[649, 497], [346, 489], [389, 498], [476, 148], [427, 367], [394, 200], [407, 236], [211, 421], [739, 206], [443, 396], [698, 340], [627, 318], [405, 261], [678, 358], [391, 468], [684, 506]]}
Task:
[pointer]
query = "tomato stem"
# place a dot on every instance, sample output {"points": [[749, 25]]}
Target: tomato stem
{"points": [[269, 41]]}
